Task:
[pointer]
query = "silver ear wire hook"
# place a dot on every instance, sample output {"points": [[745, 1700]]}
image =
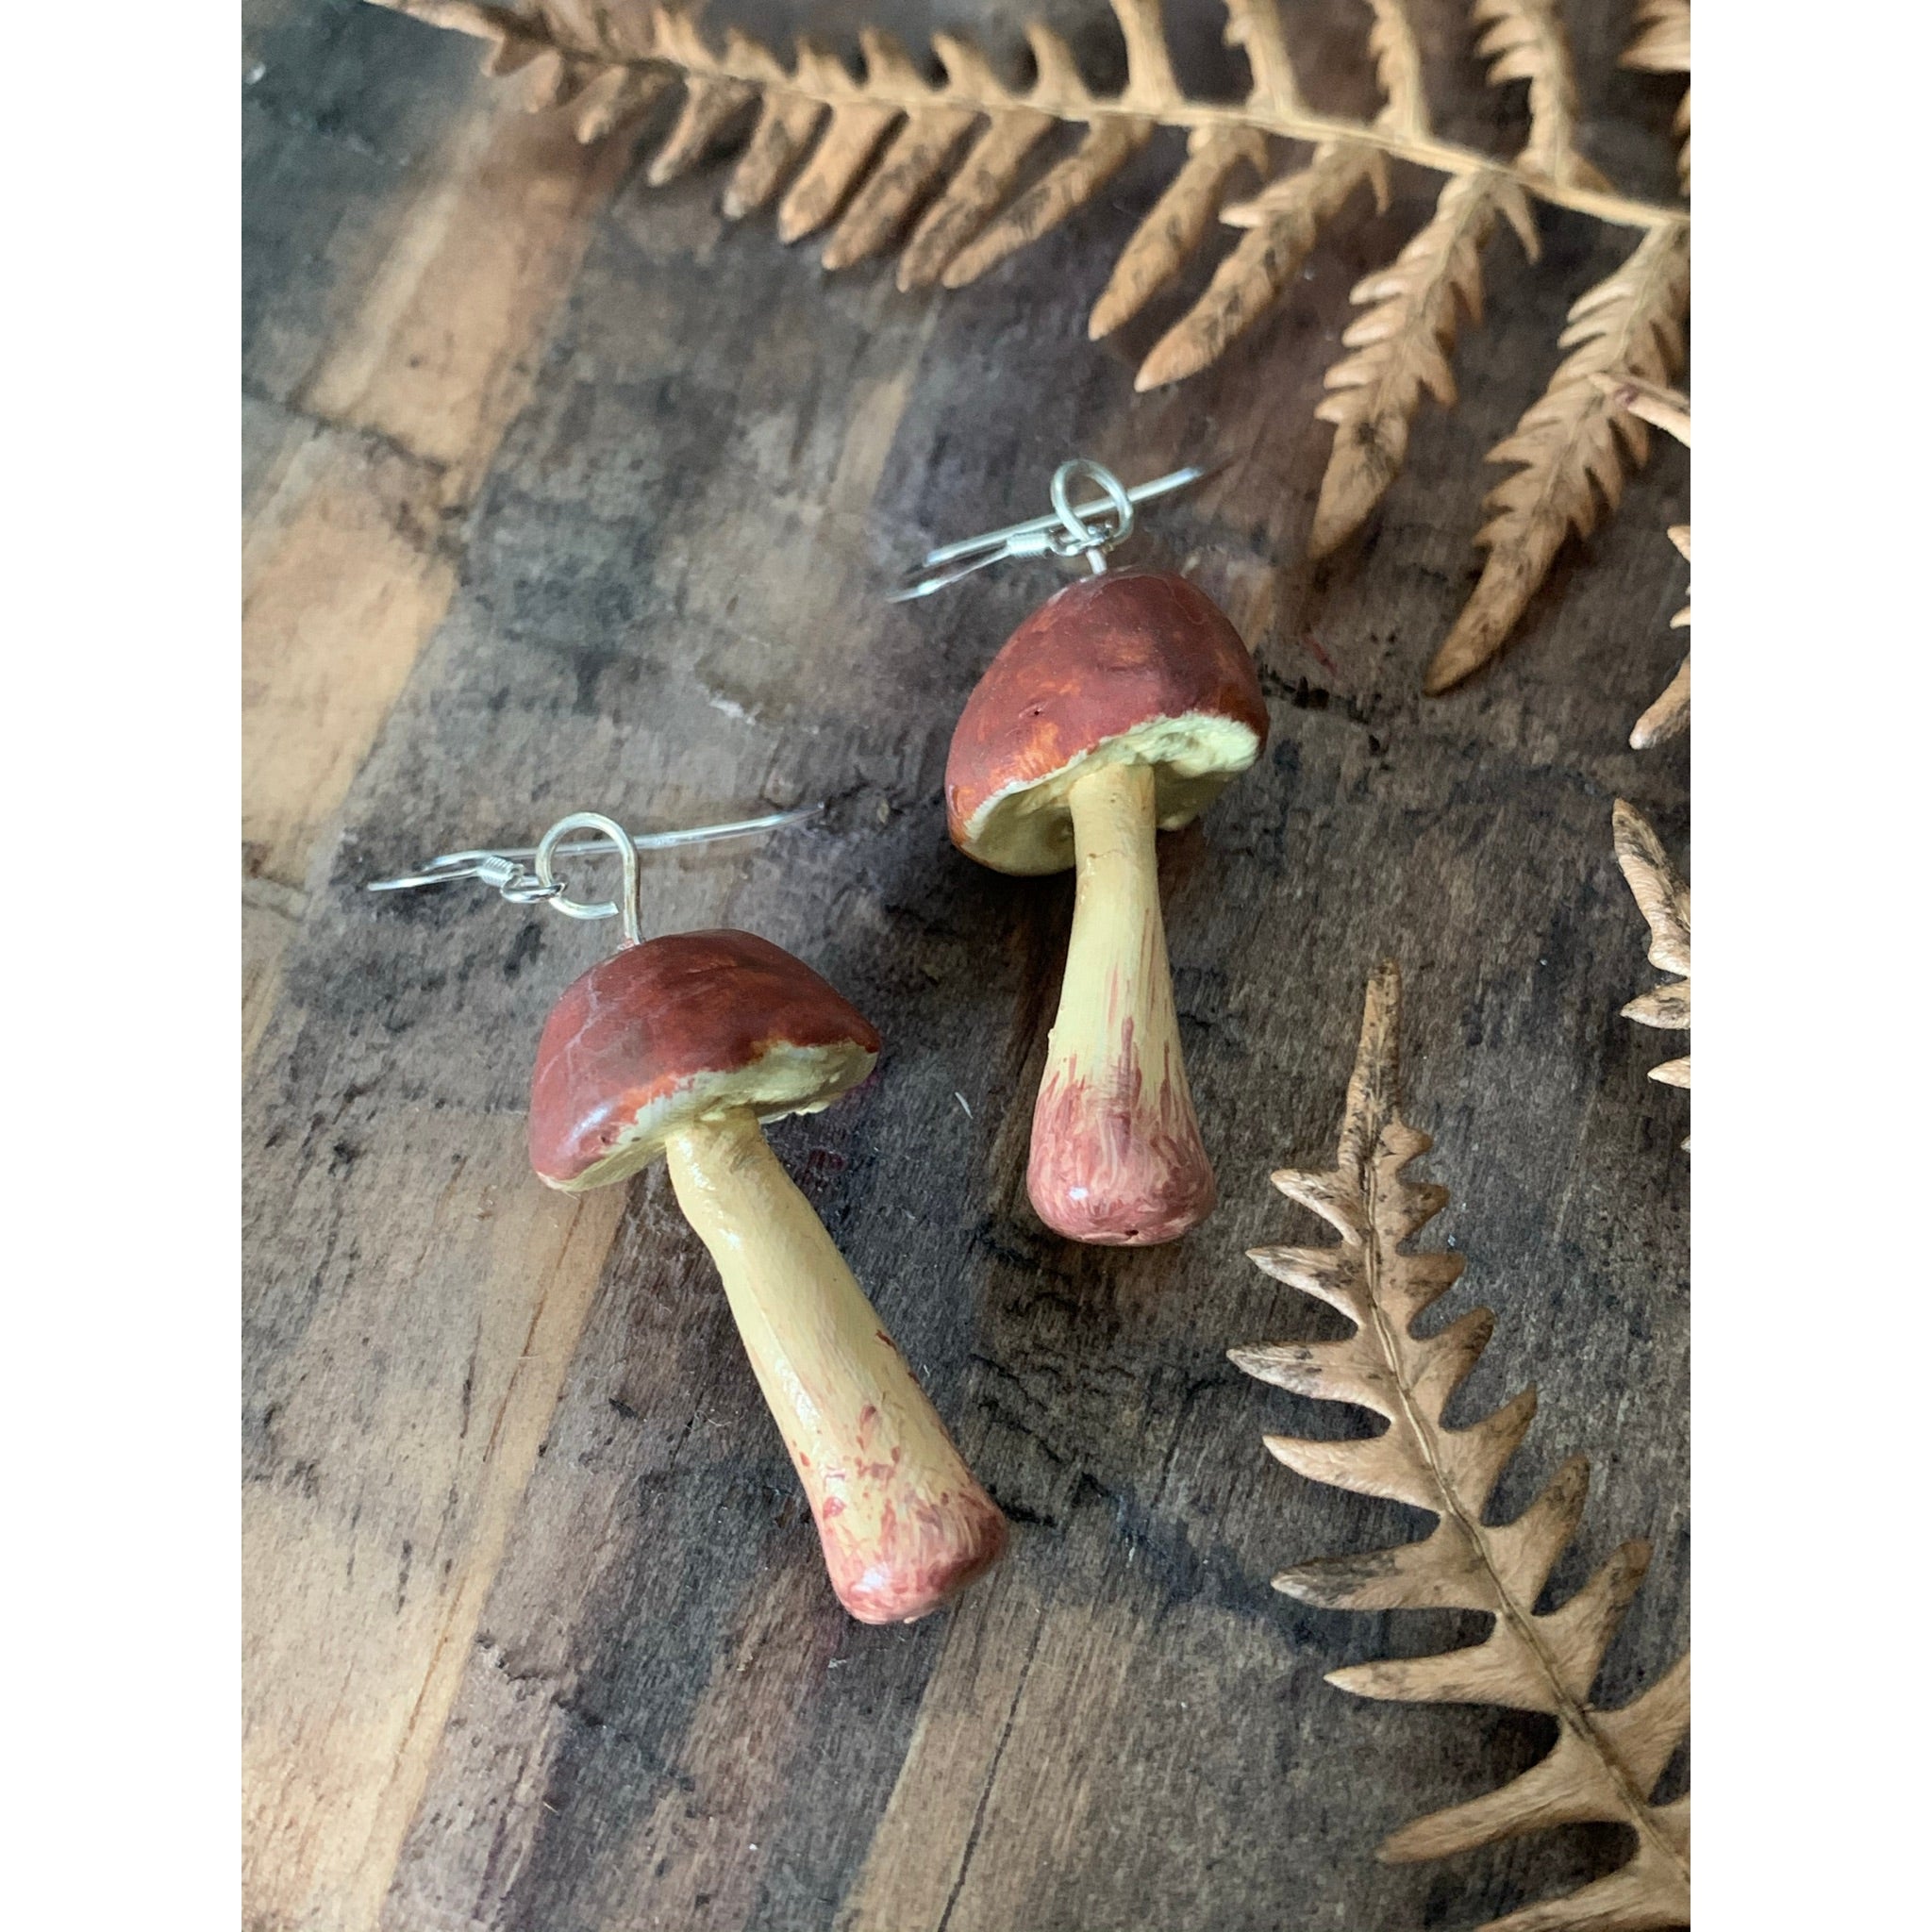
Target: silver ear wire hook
{"points": [[1067, 530], [1076, 536], [506, 873], [629, 907]]}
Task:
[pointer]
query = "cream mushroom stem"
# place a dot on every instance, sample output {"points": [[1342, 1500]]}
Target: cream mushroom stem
{"points": [[1117, 1155], [903, 1523]]}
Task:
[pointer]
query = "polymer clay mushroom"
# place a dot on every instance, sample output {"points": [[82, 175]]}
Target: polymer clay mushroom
{"points": [[680, 1046], [1124, 704]]}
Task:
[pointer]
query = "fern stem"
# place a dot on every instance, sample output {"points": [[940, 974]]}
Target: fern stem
{"points": [[1288, 122], [1427, 151], [1570, 1710]]}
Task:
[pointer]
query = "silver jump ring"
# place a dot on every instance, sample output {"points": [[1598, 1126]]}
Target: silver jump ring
{"points": [[1084, 539], [627, 909]]}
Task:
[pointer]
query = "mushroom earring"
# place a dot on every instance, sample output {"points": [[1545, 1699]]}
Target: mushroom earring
{"points": [[681, 1045], [1121, 707]]}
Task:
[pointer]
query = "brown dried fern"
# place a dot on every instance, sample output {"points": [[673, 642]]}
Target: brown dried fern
{"points": [[939, 161], [1670, 713], [1523, 40], [1402, 347], [1605, 1763], [1664, 900], [1403, 344], [1666, 408], [1663, 46], [1571, 443]]}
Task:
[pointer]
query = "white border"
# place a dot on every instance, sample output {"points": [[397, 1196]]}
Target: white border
{"points": [[121, 780]]}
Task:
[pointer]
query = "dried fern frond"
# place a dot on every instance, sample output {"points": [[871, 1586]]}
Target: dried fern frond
{"points": [[616, 57], [1283, 222], [1662, 43], [1663, 46], [1670, 713], [1664, 900], [1571, 442], [1668, 409], [1523, 40], [935, 165], [1401, 347], [1605, 1763]]}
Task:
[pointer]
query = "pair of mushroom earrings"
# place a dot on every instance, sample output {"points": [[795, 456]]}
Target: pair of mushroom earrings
{"points": [[1123, 705]]}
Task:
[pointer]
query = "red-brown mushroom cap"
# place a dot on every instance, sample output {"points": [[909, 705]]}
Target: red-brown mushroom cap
{"points": [[691, 1025], [1137, 666]]}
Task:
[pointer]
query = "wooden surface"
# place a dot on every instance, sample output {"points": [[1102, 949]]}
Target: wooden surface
{"points": [[561, 492]]}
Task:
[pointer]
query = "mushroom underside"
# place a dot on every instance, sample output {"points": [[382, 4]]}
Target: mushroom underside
{"points": [[1027, 826], [784, 1079]]}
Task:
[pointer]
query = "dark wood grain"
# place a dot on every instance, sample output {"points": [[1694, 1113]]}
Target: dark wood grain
{"points": [[667, 605]]}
